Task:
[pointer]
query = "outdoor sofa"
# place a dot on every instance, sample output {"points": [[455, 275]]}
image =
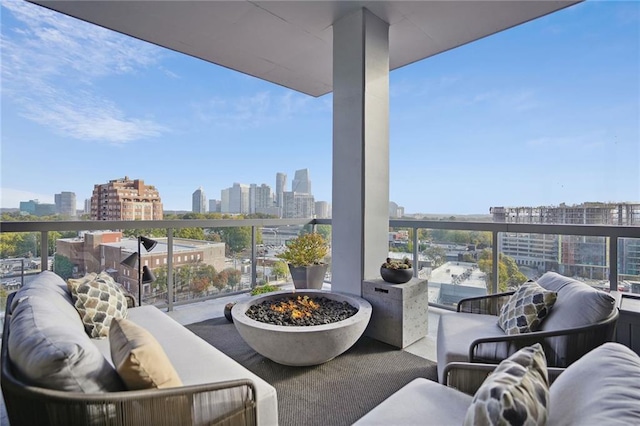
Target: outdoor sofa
{"points": [[53, 372], [602, 388], [581, 319]]}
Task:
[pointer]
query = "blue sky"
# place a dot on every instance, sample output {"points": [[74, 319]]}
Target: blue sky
{"points": [[541, 114]]}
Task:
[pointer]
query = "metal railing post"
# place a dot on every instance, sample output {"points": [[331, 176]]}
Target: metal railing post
{"points": [[613, 263], [416, 251], [170, 269], [495, 267], [44, 250], [254, 266]]}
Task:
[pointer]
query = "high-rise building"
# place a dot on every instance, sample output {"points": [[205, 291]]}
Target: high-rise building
{"points": [[281, 186], [199, 201], [37, 208], [224, 200], [323, 210], [87, 206], [126, 199], [583, 256], [45, 209], [66, 203], [298, 206], [238, 198], [393, 209], [214, 206], [301, 183], [260, 199], [28, 206]]}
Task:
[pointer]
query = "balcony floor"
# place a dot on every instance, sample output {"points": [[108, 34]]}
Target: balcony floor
{"points": [[214, 308]]}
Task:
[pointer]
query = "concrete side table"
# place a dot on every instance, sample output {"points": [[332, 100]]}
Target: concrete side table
{"points": [[628, 327], [400, 311]]}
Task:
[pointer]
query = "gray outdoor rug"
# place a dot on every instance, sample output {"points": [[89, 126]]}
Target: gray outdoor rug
{"points": [[338, 392]]}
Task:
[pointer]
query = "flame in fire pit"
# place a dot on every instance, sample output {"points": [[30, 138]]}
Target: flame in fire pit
{"points": [[300, 307]]}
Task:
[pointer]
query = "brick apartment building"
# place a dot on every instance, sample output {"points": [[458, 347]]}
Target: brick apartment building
{"points": [[126, 199], [104, 250]]}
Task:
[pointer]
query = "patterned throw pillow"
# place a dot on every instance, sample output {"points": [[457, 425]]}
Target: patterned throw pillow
{"points": [[98, 302], [73, 283], [526, 308], [516, 393]]}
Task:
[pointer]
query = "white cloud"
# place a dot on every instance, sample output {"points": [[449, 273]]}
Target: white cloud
{"points": [[519, 100], [259, 109], [50, 64], [585, 142]]}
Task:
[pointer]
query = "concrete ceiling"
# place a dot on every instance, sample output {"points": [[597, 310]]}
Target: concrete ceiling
{"points": [[290, 42]]}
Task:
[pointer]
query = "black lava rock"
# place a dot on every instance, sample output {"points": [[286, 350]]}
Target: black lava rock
{"points": [[328, 311]]}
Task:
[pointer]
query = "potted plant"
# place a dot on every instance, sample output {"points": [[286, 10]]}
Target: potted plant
{"points": [[261, 289], [396, 271], [305, 255]]}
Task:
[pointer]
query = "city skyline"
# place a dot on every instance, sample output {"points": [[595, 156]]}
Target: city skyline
{"points": [[541, 114]]}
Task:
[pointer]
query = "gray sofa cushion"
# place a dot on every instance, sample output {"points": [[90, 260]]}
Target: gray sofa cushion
{"points": [[48, 344], [46, 284], [577, 304], [456, 331], [421, 402], [602, 387]]}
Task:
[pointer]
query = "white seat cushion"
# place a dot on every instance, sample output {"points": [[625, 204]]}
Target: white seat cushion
{"points": [[196, 361], [420, 402], [456, 331]]}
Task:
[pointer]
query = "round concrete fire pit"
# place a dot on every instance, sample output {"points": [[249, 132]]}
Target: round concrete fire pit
{"points": [[302, 345]]}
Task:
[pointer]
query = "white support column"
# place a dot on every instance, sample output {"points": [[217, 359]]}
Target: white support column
{"points": [[360, 216]]}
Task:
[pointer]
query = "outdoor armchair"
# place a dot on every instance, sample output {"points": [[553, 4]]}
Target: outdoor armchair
{"points": [[581, 319], [601, 388]]}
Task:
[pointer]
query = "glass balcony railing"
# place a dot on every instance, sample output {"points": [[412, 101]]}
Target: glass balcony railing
{"points": [[196, 260]]}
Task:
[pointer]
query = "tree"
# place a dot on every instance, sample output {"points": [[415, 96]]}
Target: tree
{"points": [[325, 231], [237, 238], [199, 284], [424, 234], [514, 277], [233, 277], [9, 243], [203, 276], [190, 233], [192, 215], [63, 266], [221, 279], [27, 244], [280, 269], [436, 254], [509, 274], [468, 257], [182, 276], [3, 299], [213, 237], [160, 284]]}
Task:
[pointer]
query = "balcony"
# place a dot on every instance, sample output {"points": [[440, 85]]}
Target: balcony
{"points": [[188, 308], [610, 265]]}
